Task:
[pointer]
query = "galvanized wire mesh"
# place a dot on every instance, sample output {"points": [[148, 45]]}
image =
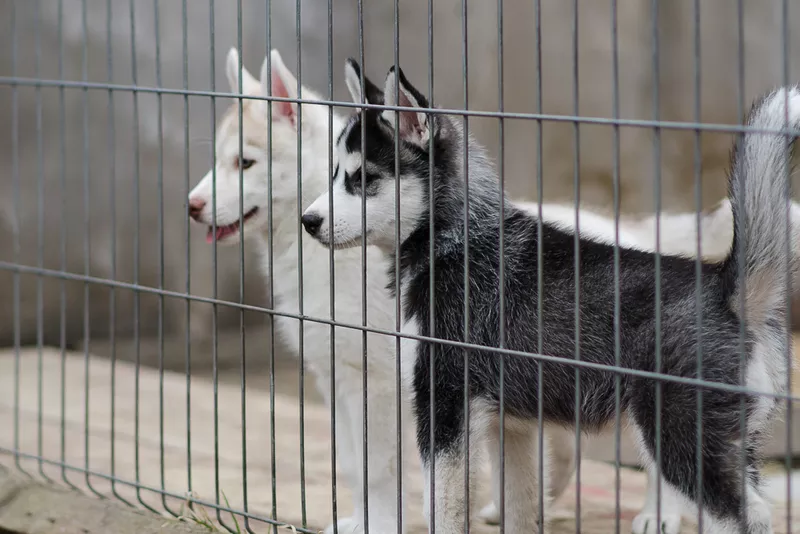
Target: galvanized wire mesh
{"points": [[99, 74]]}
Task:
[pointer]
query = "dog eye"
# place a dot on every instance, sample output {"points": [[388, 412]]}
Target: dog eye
{"points": [[245, 163], [355, 178]]}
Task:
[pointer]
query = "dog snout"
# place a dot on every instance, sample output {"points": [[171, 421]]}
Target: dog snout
{"points": [[196, 206], [312, 223]]}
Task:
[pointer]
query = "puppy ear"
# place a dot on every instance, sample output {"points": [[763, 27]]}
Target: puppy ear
{"points": [[413, 126], [277, 80], [352, 76], [249, 83]]}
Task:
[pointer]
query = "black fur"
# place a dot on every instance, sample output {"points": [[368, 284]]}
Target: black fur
{"points": [[592, 340]]}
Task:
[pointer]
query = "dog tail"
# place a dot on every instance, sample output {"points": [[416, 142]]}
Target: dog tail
{"points": [[758, 193]]}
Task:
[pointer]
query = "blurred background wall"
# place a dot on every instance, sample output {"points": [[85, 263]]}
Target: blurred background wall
{"points": [[95, 182]]}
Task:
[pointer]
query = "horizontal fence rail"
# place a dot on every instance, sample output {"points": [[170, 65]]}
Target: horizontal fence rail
{"points": [[246, 422]]}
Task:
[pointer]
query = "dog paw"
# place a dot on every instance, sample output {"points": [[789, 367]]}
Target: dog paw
{"points": [[647, 523], [346, 526], [490, 514]]}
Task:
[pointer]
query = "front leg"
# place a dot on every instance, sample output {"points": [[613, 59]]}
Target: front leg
{"points": [[381, 455], [347, 451], [446, 462], [558, 465]]}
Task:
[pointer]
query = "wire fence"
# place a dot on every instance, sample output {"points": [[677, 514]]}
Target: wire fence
{"points": [[128, 378]]}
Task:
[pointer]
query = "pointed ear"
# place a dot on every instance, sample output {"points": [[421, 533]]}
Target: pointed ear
{"points": [[249, 83], [277, 80], [412, 125], [352, 76]]}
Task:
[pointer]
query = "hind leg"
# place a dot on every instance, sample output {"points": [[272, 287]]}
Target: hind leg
{"points": [[725, 509], [755, 518]]}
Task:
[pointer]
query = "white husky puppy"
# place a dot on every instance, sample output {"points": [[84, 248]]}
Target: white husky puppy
{"points": [[285, 241], [678, 233], [224, 211]]}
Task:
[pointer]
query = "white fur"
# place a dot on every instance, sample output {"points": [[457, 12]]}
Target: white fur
{"points": [[285, 241], [559, 463], [452, 507], [668, 510], [345, 228], [678, 231]]}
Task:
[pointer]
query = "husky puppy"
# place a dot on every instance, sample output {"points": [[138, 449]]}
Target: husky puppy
{"points": [[315, 339], [220, 207], [568, 315]]}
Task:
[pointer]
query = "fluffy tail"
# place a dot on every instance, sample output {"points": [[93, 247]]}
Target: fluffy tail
{"points": [[759, 194]]}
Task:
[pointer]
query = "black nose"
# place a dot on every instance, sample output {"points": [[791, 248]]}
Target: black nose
{"points": [[312, 222]]}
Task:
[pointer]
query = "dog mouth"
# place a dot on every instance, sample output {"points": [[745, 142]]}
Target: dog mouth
{"points": [[224, 232], [342, 245]]}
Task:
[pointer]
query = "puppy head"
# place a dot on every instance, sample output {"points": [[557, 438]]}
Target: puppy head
{"points": [[383, 166], [234, 194]]}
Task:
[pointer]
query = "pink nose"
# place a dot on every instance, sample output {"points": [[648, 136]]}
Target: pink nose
{"points": [[196, 206]]}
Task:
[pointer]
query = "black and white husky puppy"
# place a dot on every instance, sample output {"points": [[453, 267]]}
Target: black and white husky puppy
{"points": [[577, 292]]}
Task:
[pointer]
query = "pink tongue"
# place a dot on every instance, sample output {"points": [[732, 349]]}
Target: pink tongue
{"points": [[222, 232]]}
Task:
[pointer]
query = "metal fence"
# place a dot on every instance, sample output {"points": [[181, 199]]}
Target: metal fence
{"points": [[144, 369]]}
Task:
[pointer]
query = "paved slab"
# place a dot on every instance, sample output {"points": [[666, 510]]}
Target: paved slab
{"points": [[62, 407]]}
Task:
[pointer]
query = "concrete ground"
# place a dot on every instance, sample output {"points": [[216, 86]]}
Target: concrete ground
{"points": [[60, 407]]}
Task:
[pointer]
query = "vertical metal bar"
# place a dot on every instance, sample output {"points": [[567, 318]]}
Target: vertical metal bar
{"points": [[539, 257], [577, 311], [363, 268], [39, 241], [398, 310], [501, 504], [87, 252], [271, 282], [242, 348], [63, 235], [187, 235], [332, 276], [431, 288], [788, 191], [465, 79], [215, 288], [136, 254], [617, 298], [698, 171], [657, 170], [17, 230], [112, 294], [742, 314], [160, 184], [300, 289]]}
